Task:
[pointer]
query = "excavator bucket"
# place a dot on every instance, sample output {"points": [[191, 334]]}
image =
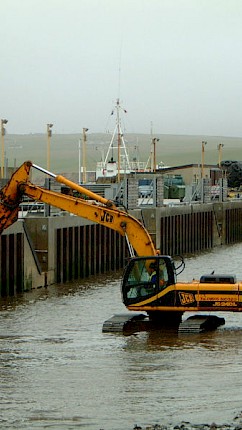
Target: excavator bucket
{"points": [[11, 196]]}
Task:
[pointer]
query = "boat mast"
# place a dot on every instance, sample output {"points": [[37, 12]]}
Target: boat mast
{"points": [[120, 147], [119, 139], [149, 165], [117, 146]]}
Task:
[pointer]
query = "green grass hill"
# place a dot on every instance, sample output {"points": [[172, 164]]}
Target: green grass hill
{"points": [[172, 150]]}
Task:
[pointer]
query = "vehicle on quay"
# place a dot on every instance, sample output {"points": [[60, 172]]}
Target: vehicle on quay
{"points": [[158, 294]]}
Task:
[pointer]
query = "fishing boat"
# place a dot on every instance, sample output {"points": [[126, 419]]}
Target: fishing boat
{"points": [[116, 161]]}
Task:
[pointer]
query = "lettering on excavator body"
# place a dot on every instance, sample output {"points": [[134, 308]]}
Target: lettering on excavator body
{"points": [[186, 298], [106, 217]]}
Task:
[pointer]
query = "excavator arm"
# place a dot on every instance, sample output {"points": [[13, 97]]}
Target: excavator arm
{"points": [[99, 209]]}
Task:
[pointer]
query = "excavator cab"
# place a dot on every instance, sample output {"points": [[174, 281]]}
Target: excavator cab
{"points": [[145, 277]]}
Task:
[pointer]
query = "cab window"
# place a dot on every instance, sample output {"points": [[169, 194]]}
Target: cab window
{"points": [[140, 281]]}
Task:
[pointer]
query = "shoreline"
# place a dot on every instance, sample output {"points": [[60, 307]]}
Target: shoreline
{"points": [[186, 425]]}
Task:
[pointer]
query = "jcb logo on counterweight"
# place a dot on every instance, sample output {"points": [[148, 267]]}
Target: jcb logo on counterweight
{"points": [[106, 217], [186, 298]]}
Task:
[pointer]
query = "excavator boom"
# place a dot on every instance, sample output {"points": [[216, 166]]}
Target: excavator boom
{"points": [[99, 210]]}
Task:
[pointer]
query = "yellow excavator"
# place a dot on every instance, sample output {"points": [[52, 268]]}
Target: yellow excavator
{"points": [[150, 282]]}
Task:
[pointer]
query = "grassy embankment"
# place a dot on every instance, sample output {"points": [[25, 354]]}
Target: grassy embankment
{"points": [[172, 150]]}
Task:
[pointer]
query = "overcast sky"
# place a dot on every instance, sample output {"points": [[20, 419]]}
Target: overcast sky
{"points": [[175, 64]]}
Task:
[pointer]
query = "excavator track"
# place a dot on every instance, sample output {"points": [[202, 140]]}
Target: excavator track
{"points": [[200, 324], [121, 323], [134, 323]]}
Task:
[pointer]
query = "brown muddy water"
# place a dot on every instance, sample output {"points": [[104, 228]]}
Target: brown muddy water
{"points": [[59, 371]]}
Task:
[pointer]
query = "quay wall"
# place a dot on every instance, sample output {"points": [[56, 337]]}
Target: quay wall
{"points": [[36, 252], [20, 269]]}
